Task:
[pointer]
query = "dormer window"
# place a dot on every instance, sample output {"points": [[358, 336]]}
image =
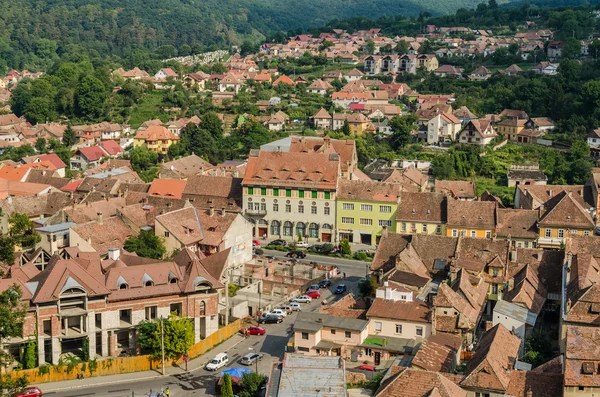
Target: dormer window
{"points": [[149, 283], [124, 286]]}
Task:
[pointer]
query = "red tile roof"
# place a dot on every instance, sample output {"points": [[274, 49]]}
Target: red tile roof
{"points": [[167, 187]]}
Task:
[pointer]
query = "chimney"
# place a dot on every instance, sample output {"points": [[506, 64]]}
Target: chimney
{"points": [[9, 199], [513, 255], [222, 211], [511, 284], [211, 210], [529, 392], [100, 218], [388, 291], [114, 254], [384, 231]]}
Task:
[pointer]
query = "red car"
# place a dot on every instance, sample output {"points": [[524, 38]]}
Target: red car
{"points": [[30, 392], [254, 331], [366, 368], [313, 294], [255, 243]]}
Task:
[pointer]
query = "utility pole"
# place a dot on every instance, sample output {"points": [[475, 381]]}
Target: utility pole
{"points": [[227, 298], [162, 344]]}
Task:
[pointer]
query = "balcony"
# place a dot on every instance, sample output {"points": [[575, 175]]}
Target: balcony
{"points": [[260, 213]]}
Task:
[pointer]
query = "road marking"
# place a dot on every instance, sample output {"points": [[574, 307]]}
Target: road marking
{"points": [[116, 391]]}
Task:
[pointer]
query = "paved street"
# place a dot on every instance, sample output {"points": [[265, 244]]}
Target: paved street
{"points": [[199, 382]]}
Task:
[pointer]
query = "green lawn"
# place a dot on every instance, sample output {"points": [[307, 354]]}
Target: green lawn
{"points": [[503, 192], [149, 107]]}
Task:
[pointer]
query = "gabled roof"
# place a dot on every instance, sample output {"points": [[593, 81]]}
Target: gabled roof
{"points": [[418, 383], [399, 310], [564, 210], [167, 187], [456, 189], [422, 207], [62, 275], [517, 223], [471, 214], [438, 352], [493, 360]]}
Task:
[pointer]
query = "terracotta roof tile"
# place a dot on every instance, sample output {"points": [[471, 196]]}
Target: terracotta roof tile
{"points": [[399, 310], [167, 188], [421, 207], [456, 189], [418, 383]]}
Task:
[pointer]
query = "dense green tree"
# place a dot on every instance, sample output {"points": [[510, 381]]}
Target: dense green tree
{"points": [[226, 386], [402, 47], [12, 319], [90, 98], [345, 247], [370, 47], [22, 231], [69, 137], [346, 128], [248, 47], [402, 128], [251, 384], [212, 123], [178, 336], [41, 146], [571, 48], [146, 245]]}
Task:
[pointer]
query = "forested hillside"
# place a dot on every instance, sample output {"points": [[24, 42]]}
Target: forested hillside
{"points": [[33, 33]]}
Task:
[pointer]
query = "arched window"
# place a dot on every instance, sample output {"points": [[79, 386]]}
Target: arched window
{"points": [[275, 228], [288, 229], [313, 230], [202, 308], [124, 286], [149, 283], [301, 229], [327, 226]]}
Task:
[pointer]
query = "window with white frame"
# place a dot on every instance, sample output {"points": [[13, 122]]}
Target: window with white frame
{"points": [[383, 222], [424, 228], [399, 328], [378, 326], [488, 234], [313, 209], [561, 233], [419, 331], [347, 220], [454, 233], [275, 207], [473, 233], [366, 221], [326, 211], [403, 226], [438, 229], [348, 206], [548, 233], [366, 207], [385, 208]]}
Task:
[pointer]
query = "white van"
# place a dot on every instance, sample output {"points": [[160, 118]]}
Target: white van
{"points": [[219, 361]]}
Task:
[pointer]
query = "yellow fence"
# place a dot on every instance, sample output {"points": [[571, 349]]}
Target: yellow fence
{"points": [[123, 365]]}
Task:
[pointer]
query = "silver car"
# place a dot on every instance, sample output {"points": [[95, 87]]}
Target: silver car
{"points": [[251, 358]]}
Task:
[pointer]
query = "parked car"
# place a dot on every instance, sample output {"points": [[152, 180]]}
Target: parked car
{"points": [[286, 308], [296, 254], [219, 361], [313, 294], [278, 242], [302, 244], [251, 358], [279, 312], [30, 392], [296, 306], [313, 287], [366, 368], [340, 289], [270, 319], [254, 330], [324, 283], [302, 299]]}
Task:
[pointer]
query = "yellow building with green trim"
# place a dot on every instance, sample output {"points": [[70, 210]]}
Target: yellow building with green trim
{"points": [[364, 208], [421, 213]]}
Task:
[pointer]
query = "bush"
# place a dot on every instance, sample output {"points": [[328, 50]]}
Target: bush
{"points": [[361, 256], [326, 249], [259, 251], [345, 245]]}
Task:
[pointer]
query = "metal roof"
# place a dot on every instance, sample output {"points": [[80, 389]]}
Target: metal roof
{"points": [[515, 311], [304, 376], [106, 174], [56, 228]]}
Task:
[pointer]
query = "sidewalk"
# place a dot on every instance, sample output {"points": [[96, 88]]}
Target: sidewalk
{"points": [[193, 365]]}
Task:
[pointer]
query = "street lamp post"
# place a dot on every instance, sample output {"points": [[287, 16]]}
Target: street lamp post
{"points": [[162, 343]]}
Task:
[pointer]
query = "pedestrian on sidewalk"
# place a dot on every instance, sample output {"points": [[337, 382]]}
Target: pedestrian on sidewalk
{"points": [[167, 392]]}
